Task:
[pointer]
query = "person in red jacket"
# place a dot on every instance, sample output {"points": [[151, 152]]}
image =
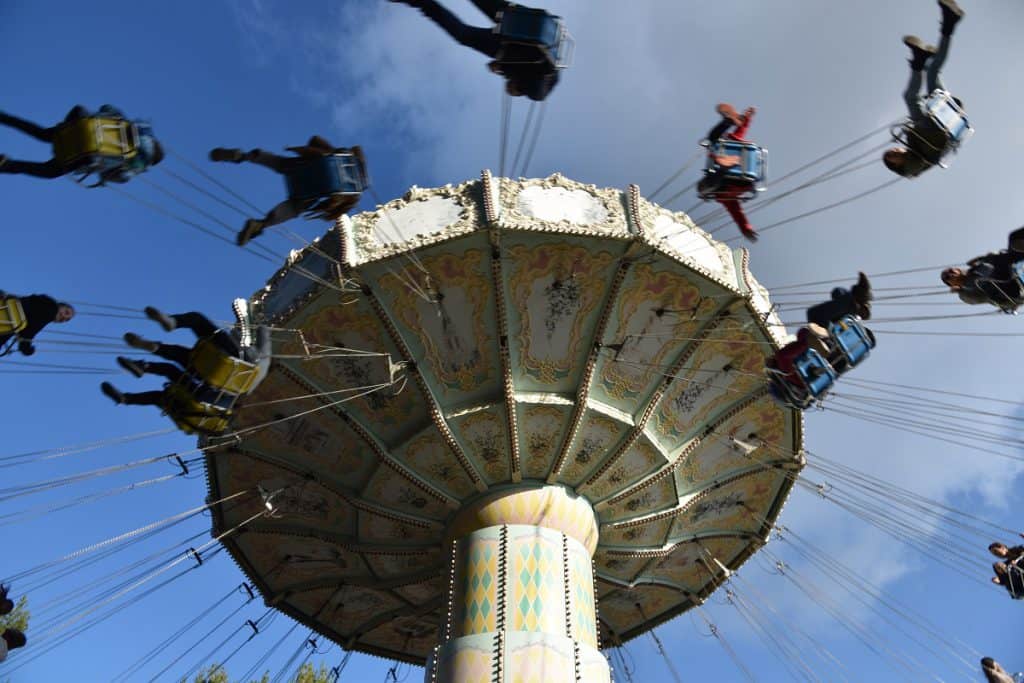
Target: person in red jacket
{"points": [[727, 194]]}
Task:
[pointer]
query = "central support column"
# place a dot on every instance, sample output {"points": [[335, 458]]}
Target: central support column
{"points": [[521, 604]]}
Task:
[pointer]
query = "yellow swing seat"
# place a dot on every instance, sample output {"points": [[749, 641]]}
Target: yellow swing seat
{"points": [[193, 416], [12, 316], [220, 371], [95, 137]]}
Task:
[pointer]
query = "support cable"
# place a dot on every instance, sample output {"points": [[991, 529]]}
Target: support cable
{"points": [[660, 646]]}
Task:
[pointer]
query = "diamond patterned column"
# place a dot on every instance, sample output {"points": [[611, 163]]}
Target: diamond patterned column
{"points": [[521, 596]]}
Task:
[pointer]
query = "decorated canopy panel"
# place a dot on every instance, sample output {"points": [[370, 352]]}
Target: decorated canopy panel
{"points": [[503, 333]]}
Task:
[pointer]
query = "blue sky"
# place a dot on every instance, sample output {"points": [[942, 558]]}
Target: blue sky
{"points": [[642, 91]]}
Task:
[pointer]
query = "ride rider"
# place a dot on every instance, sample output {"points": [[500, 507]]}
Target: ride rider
{"points": [[329, 208], [528, 69], [926, 141], [725, 190], [39, 310], [990, 279], [191, 390], [148, 153]]}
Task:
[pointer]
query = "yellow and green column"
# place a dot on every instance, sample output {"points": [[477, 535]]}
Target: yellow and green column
{"points": [[521, 606]]}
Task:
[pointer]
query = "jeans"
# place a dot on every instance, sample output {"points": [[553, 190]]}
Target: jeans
{"points": [[912, 95]]}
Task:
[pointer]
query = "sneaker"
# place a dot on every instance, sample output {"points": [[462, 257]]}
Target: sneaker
{"points": [[727, 111], [253, 228], [131, 366], [920, 50], [136, 342], [112, 393], [160, 318], [234, 156]]}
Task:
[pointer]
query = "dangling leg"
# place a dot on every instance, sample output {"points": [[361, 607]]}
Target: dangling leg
{"points": [[920, 54], [27, 127], [174, 353], [951, 14], [740, 132], [200, 325], [735, 210], [145, 398], [274, 162], [44, 169], [144, 367], [480, 39], [492, 7], [285, 211]]}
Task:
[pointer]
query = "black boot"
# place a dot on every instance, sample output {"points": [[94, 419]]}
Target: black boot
{"points": [[234, 156], [136, 342], [132, 366], [253, 228], [921, 52], [163, 320], [112, 393], [951, 14]]}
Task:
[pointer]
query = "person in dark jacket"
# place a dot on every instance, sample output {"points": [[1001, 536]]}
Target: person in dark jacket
{"points": [[990, 279], [853, 301], [149, 153], [40, 310], [1009, 571], [926, 142], [329, 208], [528, 70]]}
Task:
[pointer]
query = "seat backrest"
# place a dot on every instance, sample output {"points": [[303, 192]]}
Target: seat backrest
{"points": [[950, 117], [12, 316], [753, 160], [852, 339], [95, 136], [528, 25], [192, 415], [817, 383], [314, 177], [221, 371], [1018, 272]]}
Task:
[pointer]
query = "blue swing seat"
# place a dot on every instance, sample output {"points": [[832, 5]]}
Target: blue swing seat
{"points": [[751, 171], [815, 384], [949, 116], [1018, 272], [527, 26], [343, 173], [852, 339]]}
